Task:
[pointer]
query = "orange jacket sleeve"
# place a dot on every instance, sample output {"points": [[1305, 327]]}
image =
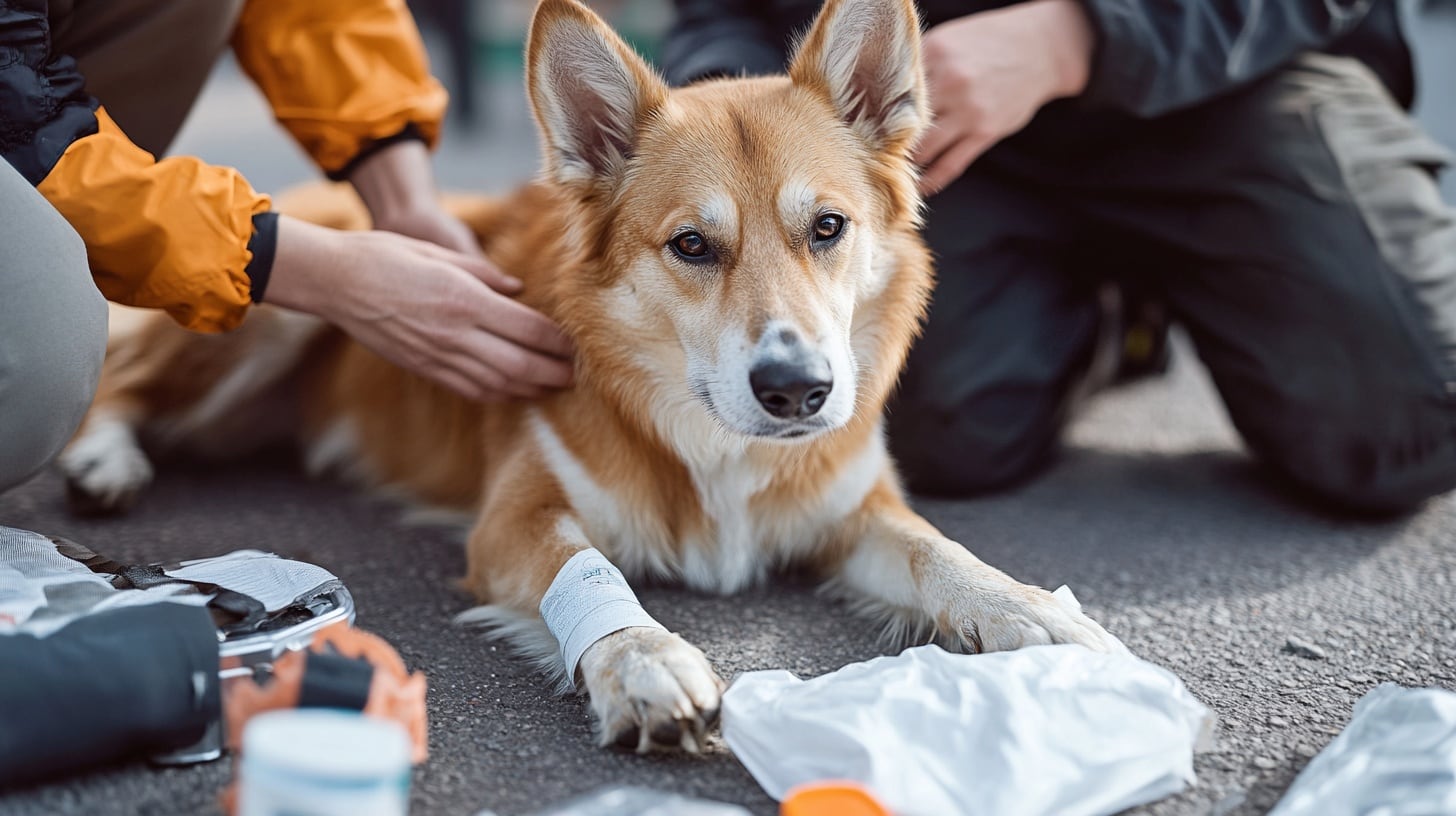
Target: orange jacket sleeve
{"points": [[171, 234], [342, 75]]}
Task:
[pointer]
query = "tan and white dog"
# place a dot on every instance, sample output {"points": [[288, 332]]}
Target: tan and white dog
{"points": [[739, 265]]}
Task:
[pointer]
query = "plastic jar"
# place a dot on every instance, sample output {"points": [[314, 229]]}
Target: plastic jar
{"points": [[323, 762]]}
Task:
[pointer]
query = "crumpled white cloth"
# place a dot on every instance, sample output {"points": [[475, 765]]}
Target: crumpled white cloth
{"points": [[1396, 757], [1043, 730]]}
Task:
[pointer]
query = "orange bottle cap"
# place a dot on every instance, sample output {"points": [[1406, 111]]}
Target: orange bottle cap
{"points": [[832, 798]]}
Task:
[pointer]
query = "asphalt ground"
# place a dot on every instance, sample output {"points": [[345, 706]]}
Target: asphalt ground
{"points": [[1168, 532]]}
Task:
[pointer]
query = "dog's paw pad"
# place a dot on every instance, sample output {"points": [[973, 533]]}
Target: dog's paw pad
{"points": [[651, 690]]}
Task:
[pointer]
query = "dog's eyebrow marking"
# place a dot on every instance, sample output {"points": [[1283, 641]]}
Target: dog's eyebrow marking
{"points": [[720, 212], [797, 200], [747, 144]]}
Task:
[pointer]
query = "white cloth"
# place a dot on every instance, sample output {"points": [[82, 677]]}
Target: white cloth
{"points": [[1044, 730]]}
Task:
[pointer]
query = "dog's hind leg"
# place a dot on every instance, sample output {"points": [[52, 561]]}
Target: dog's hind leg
{"points": [[894, 564], [649, 688], [213, 395]]}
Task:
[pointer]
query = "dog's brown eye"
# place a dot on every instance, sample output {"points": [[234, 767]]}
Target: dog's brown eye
{"points": [[690, 246], [828, 227]]}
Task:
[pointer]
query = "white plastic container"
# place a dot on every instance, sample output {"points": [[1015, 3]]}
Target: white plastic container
{"points": [[323, 762]]}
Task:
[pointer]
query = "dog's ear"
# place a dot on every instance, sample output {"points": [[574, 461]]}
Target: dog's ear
{"points": [[864, 56], [589, 90]]}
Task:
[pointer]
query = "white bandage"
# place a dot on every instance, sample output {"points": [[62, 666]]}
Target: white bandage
{"points": [[588, 600]]}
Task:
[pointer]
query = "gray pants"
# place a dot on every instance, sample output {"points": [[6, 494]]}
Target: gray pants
{"points": [[52, 330], [52, 318], [1294, 228]]}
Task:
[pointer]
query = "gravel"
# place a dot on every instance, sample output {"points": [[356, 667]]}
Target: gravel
{"points": [[1299, 646]]}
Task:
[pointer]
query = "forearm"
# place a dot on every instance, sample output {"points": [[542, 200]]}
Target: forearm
{"points": [[1069, 38], [396, 180], [306, 269], [397, 185], [1154, 57]]}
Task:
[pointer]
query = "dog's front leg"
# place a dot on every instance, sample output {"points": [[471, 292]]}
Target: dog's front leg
{"points": [[896, 564], [561, 600]]}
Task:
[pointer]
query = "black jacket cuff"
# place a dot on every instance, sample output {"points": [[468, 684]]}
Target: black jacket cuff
{"points": [[1122, 73], [411, 131], [264, 246]]}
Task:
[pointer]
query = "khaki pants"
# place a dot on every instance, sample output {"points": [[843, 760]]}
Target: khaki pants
{"points": [[146, 60]]}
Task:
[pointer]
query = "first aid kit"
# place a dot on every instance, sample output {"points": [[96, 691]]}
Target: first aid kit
{"points": [[105, 660]]}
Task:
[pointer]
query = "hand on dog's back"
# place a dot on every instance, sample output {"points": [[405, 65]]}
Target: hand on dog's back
{"points": [[444, 315]]}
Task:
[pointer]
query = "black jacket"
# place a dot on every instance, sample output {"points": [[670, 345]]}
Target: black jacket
{"points": [[1153, 56], [43, 102]]}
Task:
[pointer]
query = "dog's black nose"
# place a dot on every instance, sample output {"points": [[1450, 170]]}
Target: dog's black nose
{"points": [[792, 390]]}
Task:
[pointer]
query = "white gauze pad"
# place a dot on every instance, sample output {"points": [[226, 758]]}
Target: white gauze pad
{"points": [[588, 600]]}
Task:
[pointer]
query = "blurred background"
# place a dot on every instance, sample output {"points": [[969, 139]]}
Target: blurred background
{"points": [[475, 49], [490, 145]]}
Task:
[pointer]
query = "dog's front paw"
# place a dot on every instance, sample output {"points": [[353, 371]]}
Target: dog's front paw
{"points": [[1018, 615], [651, 689]]}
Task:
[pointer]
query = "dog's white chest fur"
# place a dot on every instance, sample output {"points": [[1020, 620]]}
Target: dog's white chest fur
{"points": [[730, 557], [740, 543]]}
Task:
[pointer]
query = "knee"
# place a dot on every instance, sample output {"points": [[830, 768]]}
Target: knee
{"points": [[1367, 472], [50, 363], [986, 443], [43, 410], [44, 393]]}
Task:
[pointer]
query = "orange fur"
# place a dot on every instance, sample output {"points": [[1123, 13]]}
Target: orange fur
{"points": [[639, 459]]}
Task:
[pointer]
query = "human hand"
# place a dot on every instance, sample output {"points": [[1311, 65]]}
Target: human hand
{"points": [[431, 223], [444, 315], [989, 73]]}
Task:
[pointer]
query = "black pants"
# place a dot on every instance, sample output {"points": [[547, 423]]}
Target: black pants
{"points": [[1294, 228]]}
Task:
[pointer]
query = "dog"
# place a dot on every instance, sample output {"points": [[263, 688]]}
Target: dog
{"points": [[739, 265]]}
